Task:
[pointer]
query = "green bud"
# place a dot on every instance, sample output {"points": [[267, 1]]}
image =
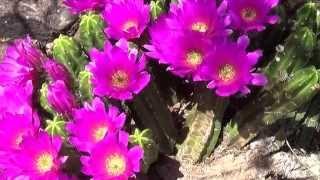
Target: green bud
{"points": [[56, 126], [92, 31], [145, 140], [309, 15], [67, 51], [43, 98], [85, 87], [157, 8], [294, 55]]}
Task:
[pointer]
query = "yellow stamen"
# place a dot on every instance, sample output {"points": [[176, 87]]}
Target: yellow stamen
{"points": [[128, 25], [200, 27], [194, 58], [227, 73], [99, 133], [248, 14], [120, 79], [44, 162], [115, 165]]}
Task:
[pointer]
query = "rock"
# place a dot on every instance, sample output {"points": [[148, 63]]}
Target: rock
{"points": [[42, 19]]}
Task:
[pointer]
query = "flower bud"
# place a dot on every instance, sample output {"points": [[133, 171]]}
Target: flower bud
{"points": [[60, 98], [57, 71]]}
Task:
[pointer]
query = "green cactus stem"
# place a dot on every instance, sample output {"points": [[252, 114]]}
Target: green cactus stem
{"points": [[311, 123], [91, 31], [205, 126], [277, 103], [151, 112], [146, 141], [157, 8], [85, 88], [309, 15], [294, 55], [68, 52]]}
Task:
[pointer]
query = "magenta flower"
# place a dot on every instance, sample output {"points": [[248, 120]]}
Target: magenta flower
{"points": [[111, 159], [92, 123], [16, 100], [230, 70], [21, 63], [117, 72], [250, 15], [201, 16], [78, 6], [38, 157], [126, 18], [57, 71], [13, 128], [60, 98], [185, 56]]}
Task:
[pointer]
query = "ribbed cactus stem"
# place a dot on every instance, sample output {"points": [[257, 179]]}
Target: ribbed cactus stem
{"points": [[85, 87], [295, 93], [151, 112], [68, 52], [205, 126], [295, 54], [91, 30]]}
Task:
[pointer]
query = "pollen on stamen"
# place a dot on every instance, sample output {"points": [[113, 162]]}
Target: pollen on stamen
{"points": [[120, 79], [200, 27], [194, 58], [115, 165], [248, 14], [99, 133], [128, 25], [18, 140], [44, 162], [227, 73]]}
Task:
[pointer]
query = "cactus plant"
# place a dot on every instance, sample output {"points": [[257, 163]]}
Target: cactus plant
{"points": [[91, 31], [68, 52], [56, 126], [205, 126], [85, 88]]}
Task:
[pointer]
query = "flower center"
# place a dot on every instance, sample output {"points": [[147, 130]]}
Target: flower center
{"points": [[44, 163], [227, 73], [248, 14], [115, 164], [99, 133], [120, 79], [128, 25], [194, 58], [200, 27]]}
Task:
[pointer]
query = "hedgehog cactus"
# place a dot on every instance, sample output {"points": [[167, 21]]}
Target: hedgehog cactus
{"points": [[204, 126], [68, 52], [309, 15], [91, 31]]}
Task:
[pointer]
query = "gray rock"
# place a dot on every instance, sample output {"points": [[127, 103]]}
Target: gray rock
{"points": [[42, 19]]}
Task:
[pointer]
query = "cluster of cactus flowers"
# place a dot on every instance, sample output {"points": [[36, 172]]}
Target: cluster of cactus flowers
{"points": [[198, 40]]}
